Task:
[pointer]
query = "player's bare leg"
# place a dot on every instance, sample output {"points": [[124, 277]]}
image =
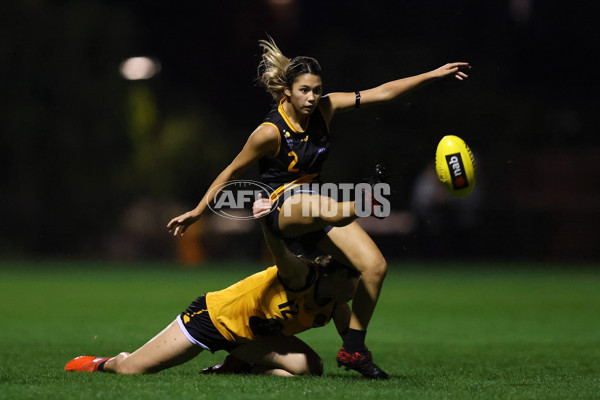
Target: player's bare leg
{"points": [[280, 355], [352, 245], [167, 349], [304, 213]]}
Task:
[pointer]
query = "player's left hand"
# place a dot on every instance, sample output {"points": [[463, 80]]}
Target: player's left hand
{"points": [[456, 69]]}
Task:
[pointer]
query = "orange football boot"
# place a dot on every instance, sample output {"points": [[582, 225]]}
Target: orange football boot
{"points": [[85, 363]]}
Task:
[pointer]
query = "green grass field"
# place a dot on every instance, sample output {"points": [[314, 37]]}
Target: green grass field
{"points": [[441, 331]]}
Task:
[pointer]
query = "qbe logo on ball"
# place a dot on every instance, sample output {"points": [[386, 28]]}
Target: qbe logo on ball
{"points": [[233, 199]]}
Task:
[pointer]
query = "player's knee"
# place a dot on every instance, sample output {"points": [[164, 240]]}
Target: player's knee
{"points": [[375, 269], [306, 364]]}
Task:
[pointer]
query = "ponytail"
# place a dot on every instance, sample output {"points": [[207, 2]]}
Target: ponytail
{"points": [[272, 68], [276, 72]]}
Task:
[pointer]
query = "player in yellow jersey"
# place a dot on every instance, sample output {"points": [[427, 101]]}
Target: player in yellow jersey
{"points": [[255, 320], [363, 364]]}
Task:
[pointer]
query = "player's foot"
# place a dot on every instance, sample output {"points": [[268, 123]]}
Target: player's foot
{"points": [[85, 363], [230, 365], [380, 175], [361, 362]]}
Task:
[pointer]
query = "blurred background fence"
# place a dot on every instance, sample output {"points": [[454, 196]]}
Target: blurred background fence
{"points": [[94, 165]]}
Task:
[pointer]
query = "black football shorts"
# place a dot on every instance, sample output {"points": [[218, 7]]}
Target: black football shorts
{"points": [[197, 326]]}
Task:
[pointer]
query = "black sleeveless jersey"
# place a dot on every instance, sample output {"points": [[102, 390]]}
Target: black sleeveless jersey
{"points": [[301, 154]]}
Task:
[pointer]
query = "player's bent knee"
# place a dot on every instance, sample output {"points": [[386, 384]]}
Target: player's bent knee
{"points": [[305, 364], [376, 269], [381, 268]]}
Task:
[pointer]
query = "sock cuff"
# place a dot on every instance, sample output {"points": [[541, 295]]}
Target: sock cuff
{"points": [[354, 340], [101, 366]]}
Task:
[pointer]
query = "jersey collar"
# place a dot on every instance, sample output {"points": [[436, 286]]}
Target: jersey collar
{"points": [[285, 117]]}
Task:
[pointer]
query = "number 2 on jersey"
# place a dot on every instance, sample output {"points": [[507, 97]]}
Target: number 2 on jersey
{"points": [[293, 162]]}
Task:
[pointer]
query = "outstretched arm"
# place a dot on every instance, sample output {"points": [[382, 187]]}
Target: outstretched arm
{"points": [[264, 141], [292, 270], [342, 101]]}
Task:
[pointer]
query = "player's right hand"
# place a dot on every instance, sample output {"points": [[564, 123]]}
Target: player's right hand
{"points": [[261, 207], [179, 225]]}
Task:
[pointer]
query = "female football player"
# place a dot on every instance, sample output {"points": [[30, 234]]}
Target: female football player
{"points": [[255, 320], [290, 147]]}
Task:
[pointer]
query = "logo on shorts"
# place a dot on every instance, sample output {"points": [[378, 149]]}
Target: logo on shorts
{"points": [[234, 199]]}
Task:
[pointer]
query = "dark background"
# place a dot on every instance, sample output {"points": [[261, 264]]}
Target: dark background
{"points": [[93, 165]]}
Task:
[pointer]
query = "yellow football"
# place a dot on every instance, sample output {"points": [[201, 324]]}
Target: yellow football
{"points": [[455, 166]]}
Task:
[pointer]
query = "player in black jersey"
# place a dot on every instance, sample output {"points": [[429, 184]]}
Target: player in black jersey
{"points": [[290, 147]]}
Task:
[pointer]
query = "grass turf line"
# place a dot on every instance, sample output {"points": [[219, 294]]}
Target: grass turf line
{"points": [[444, 332]]}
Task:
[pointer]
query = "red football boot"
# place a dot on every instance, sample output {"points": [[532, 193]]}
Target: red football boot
{"points": [[85, 363], [361, 362]]}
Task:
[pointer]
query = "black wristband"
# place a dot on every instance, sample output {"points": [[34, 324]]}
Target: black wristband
{"points": [[357, 102]]}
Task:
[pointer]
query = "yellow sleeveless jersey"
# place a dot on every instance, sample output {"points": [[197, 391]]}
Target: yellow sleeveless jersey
{"points": [[261, 306]]}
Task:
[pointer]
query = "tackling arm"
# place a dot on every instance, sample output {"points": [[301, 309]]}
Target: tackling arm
{"points": [[292, 270]]}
